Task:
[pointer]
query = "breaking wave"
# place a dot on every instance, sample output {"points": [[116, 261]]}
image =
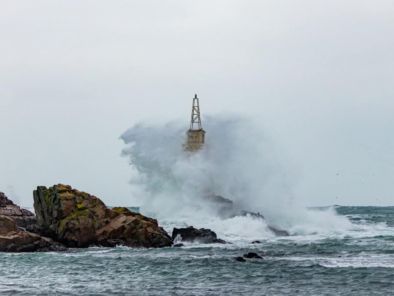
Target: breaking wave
{"points": [[238, 163]]}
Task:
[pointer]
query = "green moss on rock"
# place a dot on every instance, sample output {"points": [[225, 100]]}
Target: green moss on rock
{"points": [[121, 210], [79, 219]]}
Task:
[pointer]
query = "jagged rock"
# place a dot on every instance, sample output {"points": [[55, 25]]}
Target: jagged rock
{"points": [[23, 218], [252, 255], [79, 219], [191, 234], [13, 239]]}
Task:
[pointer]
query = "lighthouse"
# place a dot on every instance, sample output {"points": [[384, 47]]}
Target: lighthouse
{"points": [[195, 135]]}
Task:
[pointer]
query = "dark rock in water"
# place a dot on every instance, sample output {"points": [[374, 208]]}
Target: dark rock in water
{"points": [[226, 209], [240, 259], [221, 241], [178, 245], [79, 219], [278, 232], [256, 242], [275, 230], [13, 239], [219, 200], [252, 214], [223, 206], [191, 234], [252, 255], [23, 218]]}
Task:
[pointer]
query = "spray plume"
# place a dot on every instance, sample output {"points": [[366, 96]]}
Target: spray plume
{"points": [[237, 162]]}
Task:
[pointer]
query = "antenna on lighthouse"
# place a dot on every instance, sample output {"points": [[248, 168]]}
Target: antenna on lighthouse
{"points": [[195, 123], [195, 134]]}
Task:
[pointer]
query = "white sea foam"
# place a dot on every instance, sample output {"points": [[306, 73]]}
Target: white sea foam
{"points": [[357, 261], [238, 162]]}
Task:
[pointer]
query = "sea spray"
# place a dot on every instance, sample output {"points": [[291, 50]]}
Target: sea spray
{"points": [[238, 162]]}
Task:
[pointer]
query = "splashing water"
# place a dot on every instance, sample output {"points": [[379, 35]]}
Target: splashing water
{"points": [[237, 162]]}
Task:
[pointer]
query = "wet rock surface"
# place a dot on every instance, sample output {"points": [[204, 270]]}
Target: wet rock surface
{"points": [[191, 234], [78, 219], [249, 255], [240, 259], [252, 255]]}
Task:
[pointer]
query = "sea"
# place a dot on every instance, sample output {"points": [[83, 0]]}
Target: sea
{"points": [[356, 261]]}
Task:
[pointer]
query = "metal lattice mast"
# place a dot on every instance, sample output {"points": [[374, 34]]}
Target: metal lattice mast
{"points": [[195, 134], [195, 118]]}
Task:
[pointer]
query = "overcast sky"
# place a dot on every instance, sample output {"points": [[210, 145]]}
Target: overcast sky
{"points": [[318, 76]]}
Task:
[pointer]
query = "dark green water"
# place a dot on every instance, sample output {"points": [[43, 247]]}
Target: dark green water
{"points": [[355, 262]]}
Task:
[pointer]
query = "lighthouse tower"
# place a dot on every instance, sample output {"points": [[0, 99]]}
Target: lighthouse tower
{"points": [[195, 134]]}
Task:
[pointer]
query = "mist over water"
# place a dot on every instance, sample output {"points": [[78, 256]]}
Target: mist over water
{"points": [[331, 251], [238, 162]]}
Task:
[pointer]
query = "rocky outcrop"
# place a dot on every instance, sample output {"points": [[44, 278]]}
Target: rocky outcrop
{"points": [[23, 218], [13, 239], [191, 234], [79, 219]]}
